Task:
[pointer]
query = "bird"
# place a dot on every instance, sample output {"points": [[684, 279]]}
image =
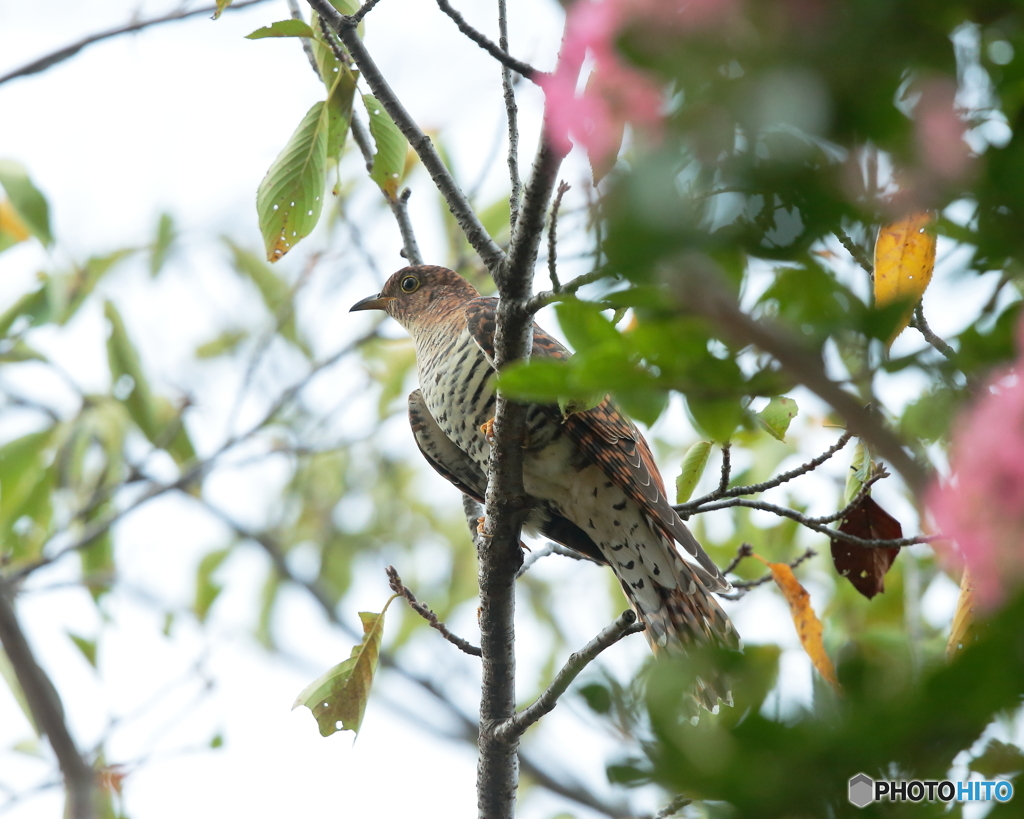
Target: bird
{"points": [[591, 477]]}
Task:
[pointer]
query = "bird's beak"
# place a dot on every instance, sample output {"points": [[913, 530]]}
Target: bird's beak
{"points": [[377, 302]]}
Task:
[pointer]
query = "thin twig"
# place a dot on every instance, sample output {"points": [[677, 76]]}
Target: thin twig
{"points": [[307, 45], [856, 251], [515, 727], [803, 520], [68, 51], [47, 712], [744, 586], [745, 551], [702, 291], [365, 9], [499, 53], [550, 548], [862, 493], [512, 115], [398, 587], [546, 297], [563, 188], [688, 508], [491, 255], [410, 248], [920, 324]]}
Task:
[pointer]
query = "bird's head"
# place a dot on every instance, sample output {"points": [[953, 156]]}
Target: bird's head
{"points": [[420, 293]]}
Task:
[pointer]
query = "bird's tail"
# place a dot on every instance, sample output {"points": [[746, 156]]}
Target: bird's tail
{"points": [[688, 616]]}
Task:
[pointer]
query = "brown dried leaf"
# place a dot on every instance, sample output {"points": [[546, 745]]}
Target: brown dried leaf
{"points": [[808, 626], [865, 566]]}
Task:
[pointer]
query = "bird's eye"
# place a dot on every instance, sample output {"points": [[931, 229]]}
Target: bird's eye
{"points": [[409, 284]]}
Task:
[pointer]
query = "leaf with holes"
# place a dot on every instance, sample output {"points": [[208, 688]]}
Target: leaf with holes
{"points": [[865, 566], [290, 197], [389, 160], [282, 28], [339, 695], [904, 259], [694, 461], [808, 626]]}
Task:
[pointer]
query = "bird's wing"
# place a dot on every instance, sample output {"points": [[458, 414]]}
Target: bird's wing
{"points": [[442, 453], [611, 441]]}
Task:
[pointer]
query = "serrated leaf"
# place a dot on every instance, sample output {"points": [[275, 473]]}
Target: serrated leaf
{"points": [[339, 696], [290, 197], [904, 260], [86, 646], [776, 417], [694, 461], [166, 234], [26, 199], [207, 590], [389, 160], [282, 28]]}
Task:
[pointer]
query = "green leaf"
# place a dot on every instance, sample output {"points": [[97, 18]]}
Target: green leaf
{"points": [[584, 326], [130, 383], [282, 28], [226, 342], [87, 647], [694, 461], [997, 759], [718, 418], [27, 478], [276, 294], [34, 305], [221, 5], [69, 292], [290, 197], [339, 112], [538, 380], [598, 697], [166, 234], [26, 199], [339, 696], [207, 590], [776, 417], [389, 160], [860, 471], [12, 227]]}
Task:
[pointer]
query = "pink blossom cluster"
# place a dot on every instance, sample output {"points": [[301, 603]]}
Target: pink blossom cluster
{"points": [[615, 93], [981, 507]]}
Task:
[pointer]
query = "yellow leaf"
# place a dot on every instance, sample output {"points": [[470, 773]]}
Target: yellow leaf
{"points": [[11, 224], [904, 259], [808, 626], [963, 617]]}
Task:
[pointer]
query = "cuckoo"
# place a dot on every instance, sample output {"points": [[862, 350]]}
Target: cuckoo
{"points": [[591, 476]]}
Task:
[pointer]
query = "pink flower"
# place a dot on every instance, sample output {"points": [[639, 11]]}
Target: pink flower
{"points": [[982, 507], [615, 93]]}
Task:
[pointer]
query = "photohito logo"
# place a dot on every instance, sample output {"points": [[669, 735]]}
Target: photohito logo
{"points": [[864, 790]]}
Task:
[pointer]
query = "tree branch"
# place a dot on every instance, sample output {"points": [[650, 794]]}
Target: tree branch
{"points": [[345, 27], [500, 53], [563, 188], [47, 711], [920, 324], [68, 51], [516, 275], [398, 587], [516, 726], [550, 548], [700, 291], [511, 114]]}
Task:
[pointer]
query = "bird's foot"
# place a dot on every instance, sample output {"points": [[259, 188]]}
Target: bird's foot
{"points": [[488, 430], [481, 523]]}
